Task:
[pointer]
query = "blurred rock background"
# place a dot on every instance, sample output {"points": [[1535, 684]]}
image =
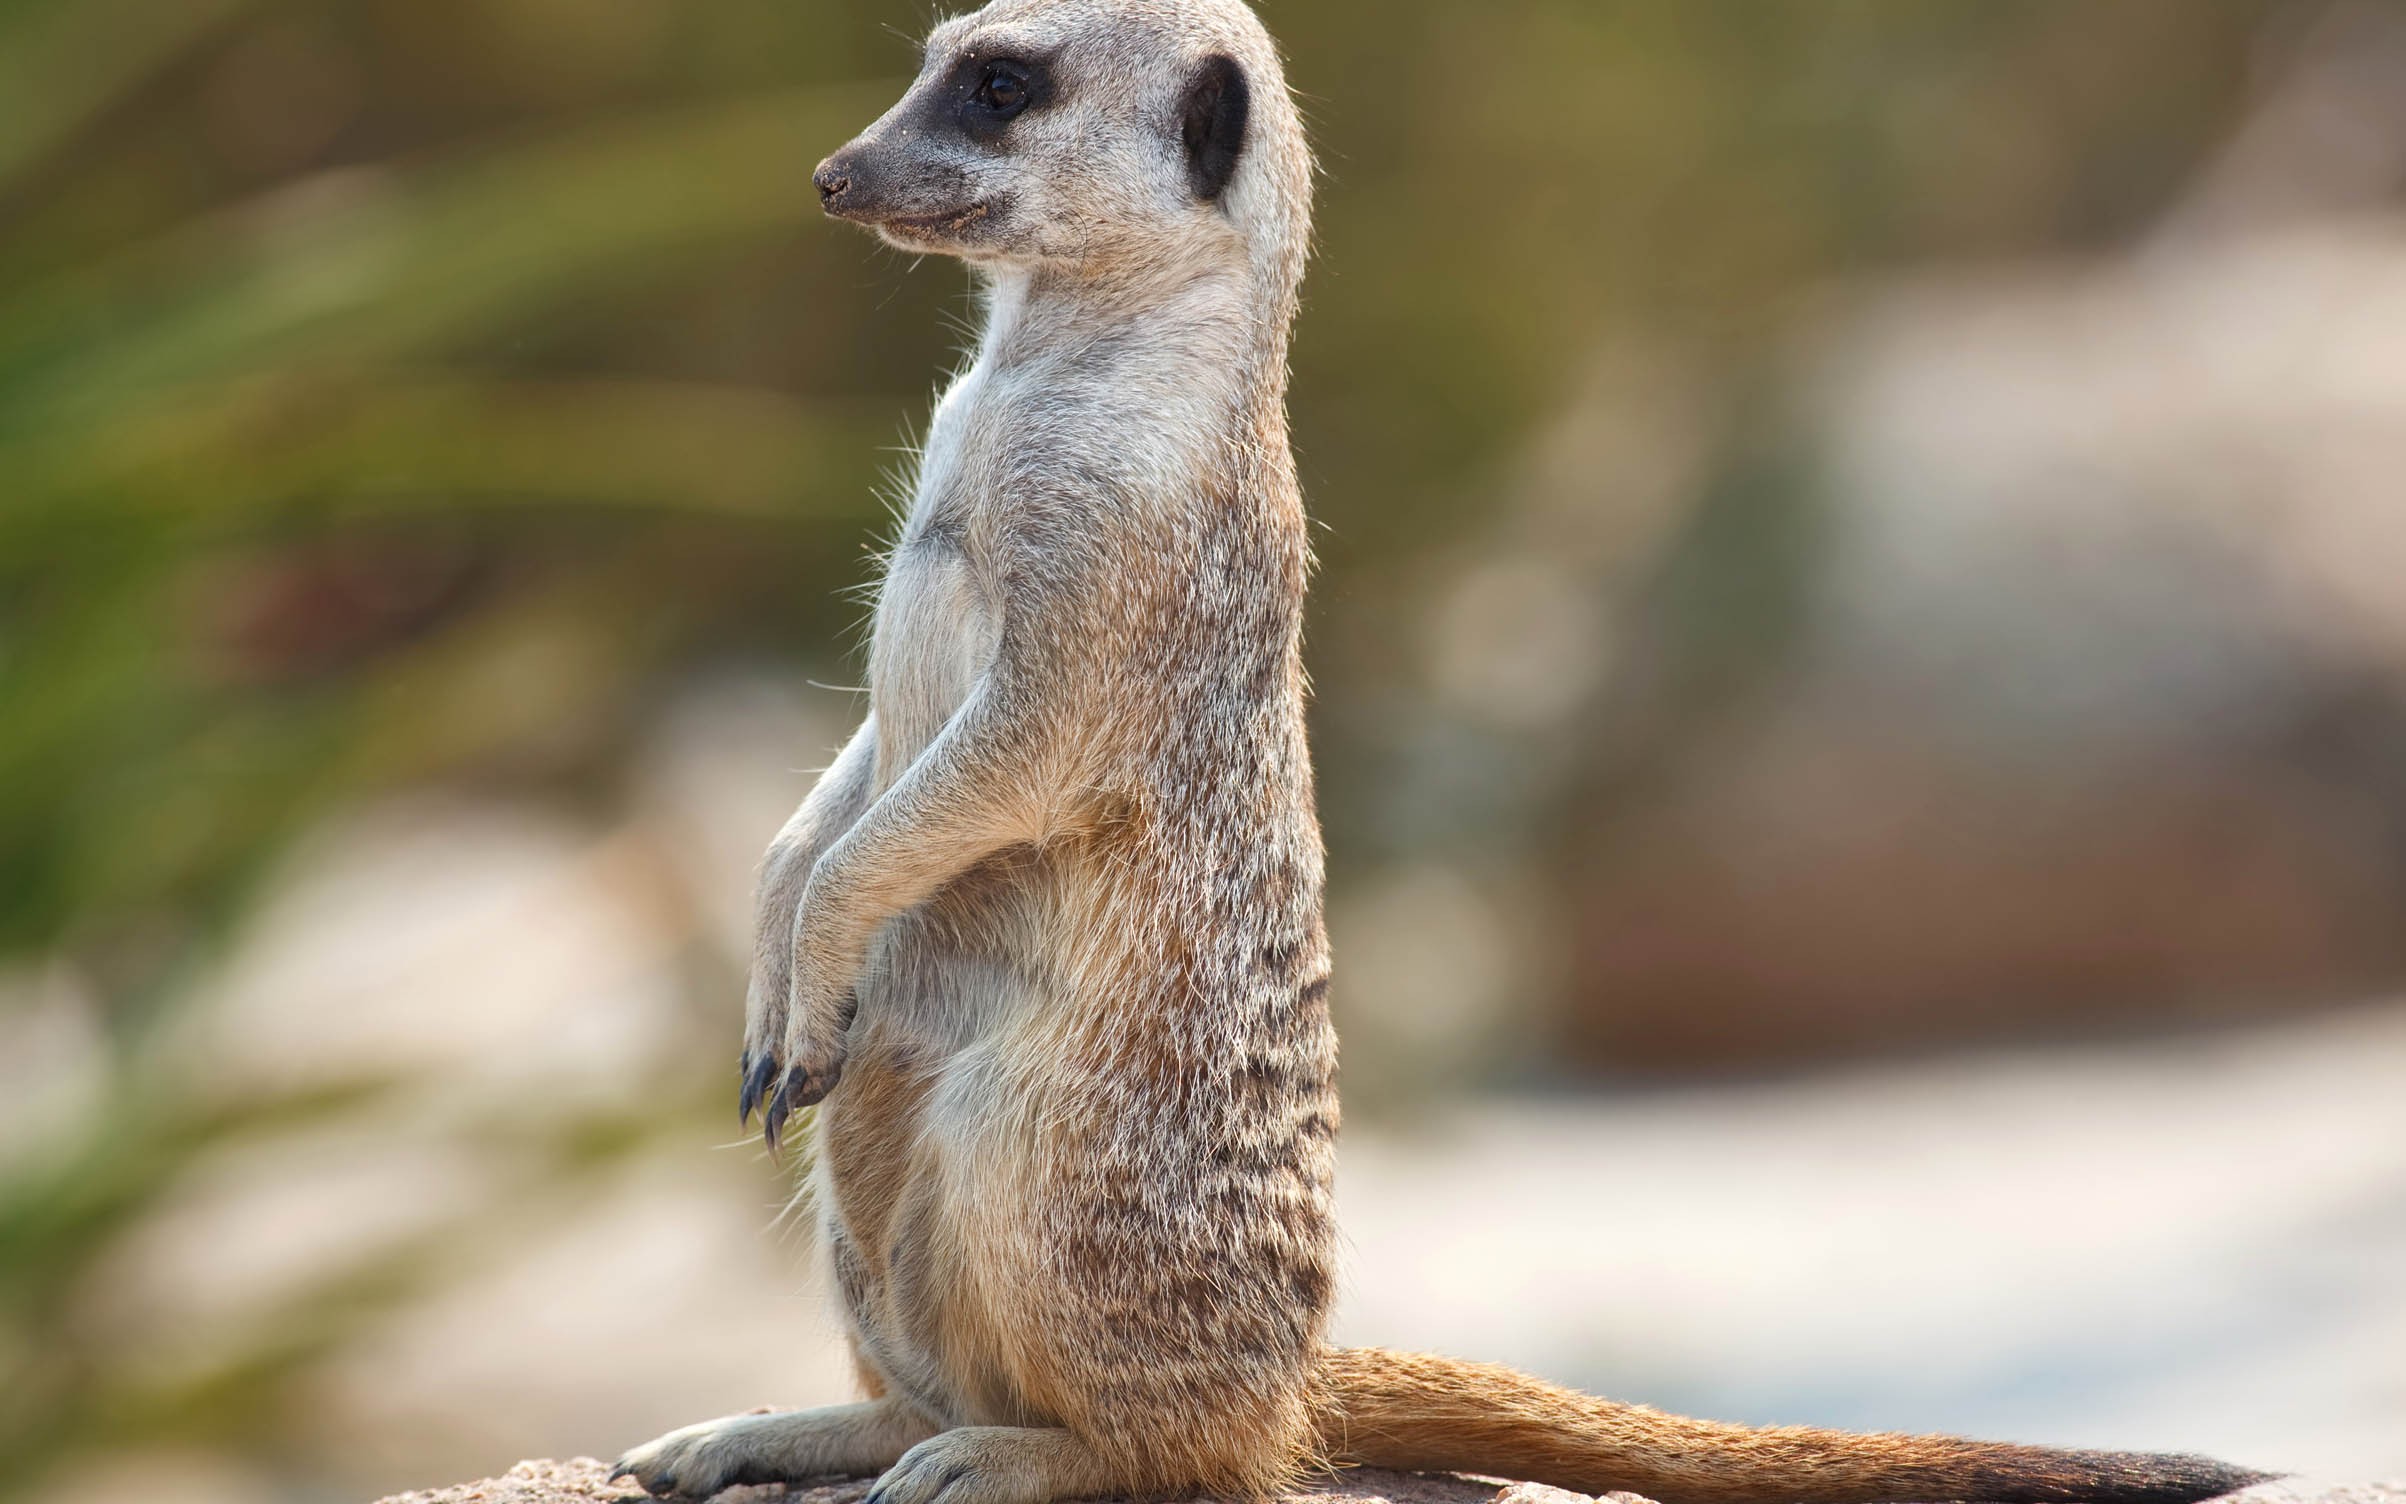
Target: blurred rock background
{"points": [[1862, 707]]}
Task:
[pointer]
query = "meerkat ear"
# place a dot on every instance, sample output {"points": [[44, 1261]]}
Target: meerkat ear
{"points": [[1213, 116]]}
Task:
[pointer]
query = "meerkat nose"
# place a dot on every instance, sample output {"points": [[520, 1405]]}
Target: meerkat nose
{"points": [[833, 180]]}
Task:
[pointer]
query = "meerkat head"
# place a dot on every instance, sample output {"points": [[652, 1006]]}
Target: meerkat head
{"points": [[1087, 132]]}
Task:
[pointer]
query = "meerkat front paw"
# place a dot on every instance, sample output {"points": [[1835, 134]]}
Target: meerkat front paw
{"points": [[794, 1042], [796, 1072], [768, 1000]]}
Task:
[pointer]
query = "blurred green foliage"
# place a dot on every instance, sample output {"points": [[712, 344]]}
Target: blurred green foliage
{"points": [[396, 391], [341, 344]]}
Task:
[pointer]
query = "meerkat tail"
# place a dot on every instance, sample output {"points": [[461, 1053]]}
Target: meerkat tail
{"points": [[1418, 1413]]}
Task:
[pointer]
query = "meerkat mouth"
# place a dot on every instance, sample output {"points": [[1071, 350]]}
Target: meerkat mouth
{"points": [[949, 222]]}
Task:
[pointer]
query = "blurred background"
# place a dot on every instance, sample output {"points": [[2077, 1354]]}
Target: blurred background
{"points": [[1862, 707]]}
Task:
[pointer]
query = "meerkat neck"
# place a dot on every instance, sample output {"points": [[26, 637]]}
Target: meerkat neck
{"points": [[1211, 326]]}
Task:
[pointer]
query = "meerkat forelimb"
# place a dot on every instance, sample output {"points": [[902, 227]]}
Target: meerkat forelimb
{"points": [[1045, 943], [834, 804]]}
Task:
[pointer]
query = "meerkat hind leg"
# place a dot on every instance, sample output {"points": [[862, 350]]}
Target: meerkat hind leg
{"points": [[782, 1446], [997, 1465]]}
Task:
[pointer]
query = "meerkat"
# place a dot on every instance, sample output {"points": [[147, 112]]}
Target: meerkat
{"points": [[1044, 944]]}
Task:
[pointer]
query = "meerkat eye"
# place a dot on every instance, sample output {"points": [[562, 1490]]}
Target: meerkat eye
{"points": [[1003, 89]]}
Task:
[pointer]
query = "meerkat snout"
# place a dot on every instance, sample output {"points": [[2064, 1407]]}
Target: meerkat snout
{"points": [[871, 181]]}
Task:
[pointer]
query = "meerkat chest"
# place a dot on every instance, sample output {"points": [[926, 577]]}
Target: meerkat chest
{"points": [[1018, 458], [937, 620]]}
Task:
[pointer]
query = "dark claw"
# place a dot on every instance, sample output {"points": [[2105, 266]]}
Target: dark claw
{"points": [[781, 1106], [756, 1085], [619, 1469], [772, 1120]]}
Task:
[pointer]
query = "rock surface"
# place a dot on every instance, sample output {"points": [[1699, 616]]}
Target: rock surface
{"points": [[585, 1481]]}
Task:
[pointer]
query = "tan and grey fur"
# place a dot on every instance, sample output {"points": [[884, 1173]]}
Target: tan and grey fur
{"points": [[1046, 938]]}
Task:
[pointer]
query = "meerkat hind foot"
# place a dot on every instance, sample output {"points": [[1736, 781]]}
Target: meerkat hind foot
{"points": [[996, 1465], [784, 1446]]}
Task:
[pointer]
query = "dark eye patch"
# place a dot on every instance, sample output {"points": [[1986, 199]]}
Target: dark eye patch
{"points": [[995, 90]]}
